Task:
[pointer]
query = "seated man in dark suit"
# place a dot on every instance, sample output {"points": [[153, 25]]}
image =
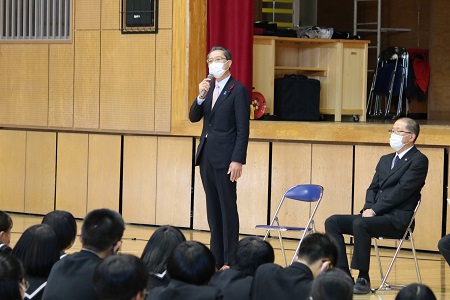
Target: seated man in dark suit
{"points": [[235, 282], [317, 253], [71, 277], [390, 202]]}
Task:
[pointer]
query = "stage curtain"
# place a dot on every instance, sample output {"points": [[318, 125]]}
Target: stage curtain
{"points": [[230, 25]]}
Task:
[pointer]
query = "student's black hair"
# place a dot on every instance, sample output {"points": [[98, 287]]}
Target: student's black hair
{"points": [[191, 262], [332, 284], [64, 225], [6, 222], [120, 277], [415, 291], [160, 246], [11, 274], [317, 246], [250, 253], [101, 229], [37, 249]]}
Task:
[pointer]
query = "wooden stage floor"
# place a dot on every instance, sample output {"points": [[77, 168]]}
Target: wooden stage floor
{"points": [[434, 270]]}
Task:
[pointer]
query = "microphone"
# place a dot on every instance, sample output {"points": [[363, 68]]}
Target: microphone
{"points": [[203, 92]]}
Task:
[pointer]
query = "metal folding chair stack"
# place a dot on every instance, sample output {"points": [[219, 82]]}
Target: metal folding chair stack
{"points": [[305, 193], [390, 80], [407, 236]]}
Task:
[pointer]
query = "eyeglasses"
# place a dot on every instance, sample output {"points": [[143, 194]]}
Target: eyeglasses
{"points": [[217, 59], [390, 131]]}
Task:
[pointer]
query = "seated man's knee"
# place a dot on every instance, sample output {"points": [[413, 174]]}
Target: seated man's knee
{"points": [[444, 243], [330, 222], [360, 224]]}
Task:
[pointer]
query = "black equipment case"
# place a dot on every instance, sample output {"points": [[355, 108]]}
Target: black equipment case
{"points": [[297, 98]]}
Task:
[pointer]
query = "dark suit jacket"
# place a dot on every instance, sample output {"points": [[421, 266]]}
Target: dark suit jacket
{"points": [[177, 290], [227, 125], [234, 284], [71, 277], [394, 193], [274, 282]]}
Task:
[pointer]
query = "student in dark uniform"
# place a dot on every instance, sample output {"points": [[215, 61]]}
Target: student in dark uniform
{"points": [[190, 267], [235, 282], [71, 277], [157, 251], [317, 253]]}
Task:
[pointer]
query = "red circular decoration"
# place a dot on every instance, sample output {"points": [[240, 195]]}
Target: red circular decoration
{"points": [[259, 104]]}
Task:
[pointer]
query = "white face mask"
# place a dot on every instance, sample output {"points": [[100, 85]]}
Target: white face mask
{"points": [[396, 141], [216, 69]]}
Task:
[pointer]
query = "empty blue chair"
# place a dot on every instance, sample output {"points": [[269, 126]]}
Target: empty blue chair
{"points": [[307, 193]]}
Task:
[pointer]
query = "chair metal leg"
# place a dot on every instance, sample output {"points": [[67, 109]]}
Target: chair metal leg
{"points": [[383, 282], [282, 248], [281, 243], [416, 263], [378, 258]]}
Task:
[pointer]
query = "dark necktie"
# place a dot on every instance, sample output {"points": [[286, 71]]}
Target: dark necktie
{"points": [[396, 159]]}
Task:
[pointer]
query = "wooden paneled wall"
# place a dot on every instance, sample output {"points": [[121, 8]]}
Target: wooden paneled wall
{"points": [[439, 107], [99, 80], [152, 179]]}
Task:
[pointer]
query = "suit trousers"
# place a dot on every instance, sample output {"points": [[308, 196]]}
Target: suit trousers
{"points": [[362, 229], [221, 209], [444, 247]]}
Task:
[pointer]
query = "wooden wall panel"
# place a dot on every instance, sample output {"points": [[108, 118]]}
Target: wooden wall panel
{"points": [[87, 79], [165, 14], [104, 171], [429, 217], [253, 187], [111, 17], [174, 180], [200, 221], [366, 159], [61, 85], [252, 192], [439, 95], [163, 82], [127, 81], [332, 168], [189, 52], [139, 179], [40, 172], [87, 15], [24, 84], [72, 172], [12, 166], [291, 165]]}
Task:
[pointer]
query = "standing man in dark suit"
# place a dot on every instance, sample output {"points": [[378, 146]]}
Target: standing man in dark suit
{"points": [[390, 201], [224, 105]]}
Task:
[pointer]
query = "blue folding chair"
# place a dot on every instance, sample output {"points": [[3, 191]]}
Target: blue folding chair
{"points": [[307, 193]]}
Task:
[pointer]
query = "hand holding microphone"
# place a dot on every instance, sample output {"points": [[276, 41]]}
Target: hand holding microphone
{"points": [[204, 86]]}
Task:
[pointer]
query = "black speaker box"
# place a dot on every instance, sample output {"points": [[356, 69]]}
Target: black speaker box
{"points": [[139, 13]]}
